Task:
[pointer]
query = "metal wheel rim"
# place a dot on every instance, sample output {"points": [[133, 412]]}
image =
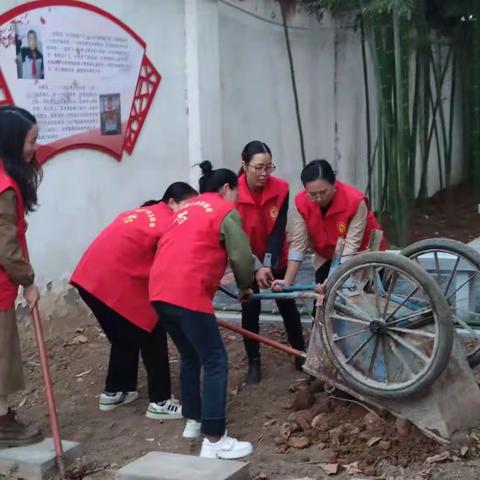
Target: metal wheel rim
{"points": [[457, 322], [430, 331]]}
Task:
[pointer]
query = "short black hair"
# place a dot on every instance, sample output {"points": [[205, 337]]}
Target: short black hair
{"points": [[317, 170]]}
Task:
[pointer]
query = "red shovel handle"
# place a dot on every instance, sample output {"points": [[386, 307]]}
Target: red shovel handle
{"points": [[52, 410], [261, 339]]}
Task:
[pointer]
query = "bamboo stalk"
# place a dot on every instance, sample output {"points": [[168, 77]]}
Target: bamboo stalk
{"points": [[439, 82], [367, 107], [294, 81], [451, 119], [476, 102]]}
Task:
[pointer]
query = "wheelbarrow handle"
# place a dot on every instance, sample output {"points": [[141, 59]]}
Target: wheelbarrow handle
{"points": [[282, 295], [272, 295], [227, 292], [261, 339], [297, 287]]}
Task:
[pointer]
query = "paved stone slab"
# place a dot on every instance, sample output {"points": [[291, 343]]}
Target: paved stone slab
{"points": [[172, 466], [36, 462]]}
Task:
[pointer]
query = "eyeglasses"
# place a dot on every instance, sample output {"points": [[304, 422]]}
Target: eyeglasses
{"points": [[269, 168]]}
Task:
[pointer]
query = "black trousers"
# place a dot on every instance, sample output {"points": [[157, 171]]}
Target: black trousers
{"points": [[291, 320], [127, 341]]}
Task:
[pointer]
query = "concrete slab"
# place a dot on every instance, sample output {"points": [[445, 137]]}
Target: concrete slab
{"points": [[36, 462], [172, 466]]}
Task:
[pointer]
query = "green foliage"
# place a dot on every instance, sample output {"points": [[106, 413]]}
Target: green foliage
{"points": [[412, 69], [402, 7]]}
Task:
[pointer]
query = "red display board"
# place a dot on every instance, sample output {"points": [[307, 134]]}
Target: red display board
{"points": [[82, 72]]}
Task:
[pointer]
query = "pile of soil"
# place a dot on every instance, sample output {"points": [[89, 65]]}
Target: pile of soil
{"points": [[351, 437]]}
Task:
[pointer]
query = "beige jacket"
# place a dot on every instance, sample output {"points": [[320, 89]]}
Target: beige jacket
{"points": [[300, 242], [12, 260]]}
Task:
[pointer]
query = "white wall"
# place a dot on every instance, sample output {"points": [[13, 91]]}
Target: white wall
{"points": [[225, 81], [83, 190], [257, 96]]}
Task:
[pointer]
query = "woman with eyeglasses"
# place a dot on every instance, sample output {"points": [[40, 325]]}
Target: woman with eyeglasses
{"points": [[327, 210], [263, 207]]}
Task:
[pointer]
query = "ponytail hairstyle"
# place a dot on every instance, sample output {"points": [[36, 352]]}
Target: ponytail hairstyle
{"points": [[213, 180], [178, 191], [149, 203], [15, 123], [318, 170], [253, 148]]}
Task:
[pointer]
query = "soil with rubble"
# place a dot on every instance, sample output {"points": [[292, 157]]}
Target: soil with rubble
{"points": [[298, 430], [451, 213]]}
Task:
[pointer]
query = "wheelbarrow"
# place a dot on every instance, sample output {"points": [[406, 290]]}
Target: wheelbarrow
{"points": [[387, 321]]}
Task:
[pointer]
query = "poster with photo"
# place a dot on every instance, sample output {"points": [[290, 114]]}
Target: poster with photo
{"points": [[78, 70], [110, 114], [28, 48]]}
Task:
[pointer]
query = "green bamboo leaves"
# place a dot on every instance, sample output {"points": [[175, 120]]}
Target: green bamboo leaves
{"points": [[413, 49]]}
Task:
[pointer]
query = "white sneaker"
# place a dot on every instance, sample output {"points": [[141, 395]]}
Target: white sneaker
{"points": [[192, 429], [167, 410], [227, 448], [110, 401]]}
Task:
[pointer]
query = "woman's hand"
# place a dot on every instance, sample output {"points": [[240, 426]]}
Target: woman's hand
{"points": [[264, 277], [244, 294], [31, 295], [277, 285], [321, 291]]}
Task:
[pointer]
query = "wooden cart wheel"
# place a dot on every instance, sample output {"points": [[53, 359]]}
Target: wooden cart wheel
{"points": [[386, 325], [456, 268]]}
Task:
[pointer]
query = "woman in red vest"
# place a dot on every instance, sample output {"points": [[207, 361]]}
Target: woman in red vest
{"points": [[325, 211], [19, 179], [190, 261], [263, 207], [112, 279]]}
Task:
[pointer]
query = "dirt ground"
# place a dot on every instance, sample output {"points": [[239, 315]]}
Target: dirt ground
{"points": [[451, 213], [292, 440], [345, 435]]}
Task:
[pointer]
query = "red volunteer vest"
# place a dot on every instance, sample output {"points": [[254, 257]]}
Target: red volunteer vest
{"points": [[8, 289], [191, 259], [324, 231], [258, 219], [116, 266]]}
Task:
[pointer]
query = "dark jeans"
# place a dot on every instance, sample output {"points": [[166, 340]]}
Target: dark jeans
{"points": [[198, 340], [127, 341], [321, 275], [291, 319]]}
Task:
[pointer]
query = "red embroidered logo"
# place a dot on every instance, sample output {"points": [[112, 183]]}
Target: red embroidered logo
{"points": [[342, 228]]}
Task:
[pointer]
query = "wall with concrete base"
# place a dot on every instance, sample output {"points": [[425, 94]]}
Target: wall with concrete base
{"points": [[225, 81]]}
